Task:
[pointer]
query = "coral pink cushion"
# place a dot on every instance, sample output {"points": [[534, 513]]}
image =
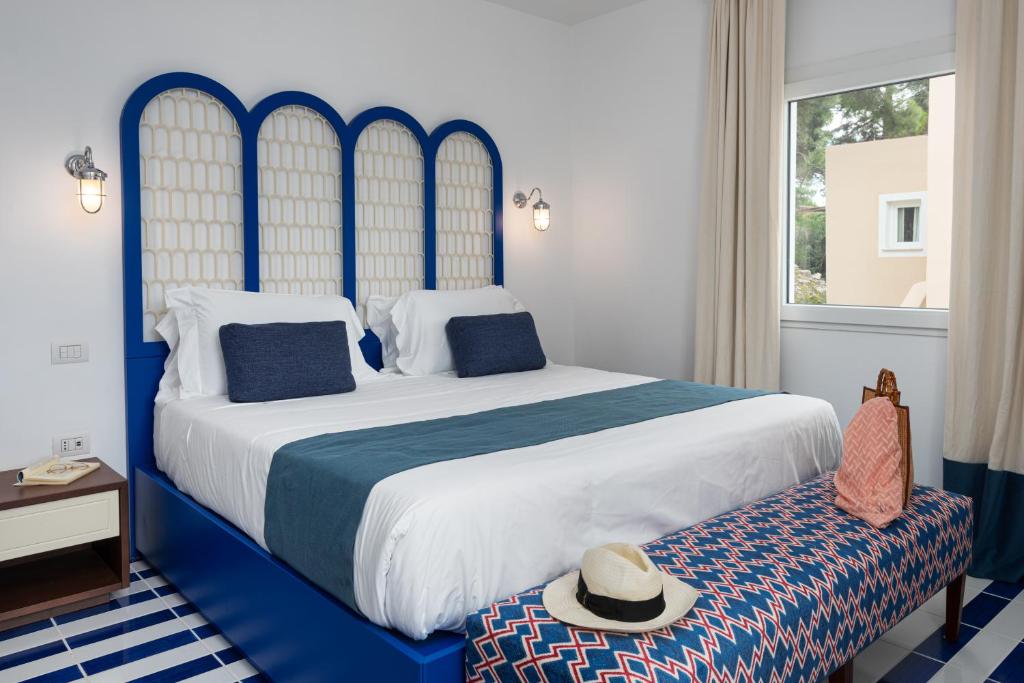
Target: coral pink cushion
{"points": [[870, 480]]}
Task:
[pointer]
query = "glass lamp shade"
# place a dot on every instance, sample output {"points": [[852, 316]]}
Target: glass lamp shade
{"points": [[90, 194], [541, 215]]}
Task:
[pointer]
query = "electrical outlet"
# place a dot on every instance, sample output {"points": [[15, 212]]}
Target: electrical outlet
{"points": [[72, 444], [72, 352]]}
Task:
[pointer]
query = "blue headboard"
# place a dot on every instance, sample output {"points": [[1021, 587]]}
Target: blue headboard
{"points": [[288, 197]]}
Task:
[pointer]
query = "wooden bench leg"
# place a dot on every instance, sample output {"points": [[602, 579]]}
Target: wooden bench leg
{"points": [[954, 607], [843, 674], [954, 610]]}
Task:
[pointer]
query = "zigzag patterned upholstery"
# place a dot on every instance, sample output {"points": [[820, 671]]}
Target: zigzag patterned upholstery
{"points": [[791, 588]]}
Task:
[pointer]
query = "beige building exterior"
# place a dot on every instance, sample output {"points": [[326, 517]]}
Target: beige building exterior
{"points": [[870, 258]]}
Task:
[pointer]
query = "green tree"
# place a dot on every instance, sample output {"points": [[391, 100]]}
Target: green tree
{"points": [[882, 113], [810, 239]]}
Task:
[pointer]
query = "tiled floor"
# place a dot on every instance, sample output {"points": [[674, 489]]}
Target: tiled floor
{"points": [[150, 633], [147, 632], [991, 645]]}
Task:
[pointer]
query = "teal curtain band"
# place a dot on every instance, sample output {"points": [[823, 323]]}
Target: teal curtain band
{"points": [[998, 517]]}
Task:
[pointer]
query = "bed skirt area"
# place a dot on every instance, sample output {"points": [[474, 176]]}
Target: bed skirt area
{"points": [[284, 625]]}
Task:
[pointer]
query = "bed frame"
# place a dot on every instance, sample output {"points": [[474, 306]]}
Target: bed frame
{"points": [[277, 198]]}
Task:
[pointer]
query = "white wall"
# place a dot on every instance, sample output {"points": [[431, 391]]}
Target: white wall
{"points": [[825, 38], [835, 364], [69, 67], [605, 116], [638, 78]]}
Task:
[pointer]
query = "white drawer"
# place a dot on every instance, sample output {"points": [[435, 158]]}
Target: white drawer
{"points": [[58, 524]]}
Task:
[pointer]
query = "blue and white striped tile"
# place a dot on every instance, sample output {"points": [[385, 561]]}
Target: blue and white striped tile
{"points": [[937, 604], [1011, 669], [990, 648], [232, 659], [145, 633], [137, 601], [877, 660], [49, 660], [979, 658], [231, 664]]}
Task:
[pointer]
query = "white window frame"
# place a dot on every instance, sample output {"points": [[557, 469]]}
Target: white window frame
{"points": [[889, 245], [922, 60]]}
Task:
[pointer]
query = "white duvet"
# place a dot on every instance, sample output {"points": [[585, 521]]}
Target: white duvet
{"points": [[446, 539]]}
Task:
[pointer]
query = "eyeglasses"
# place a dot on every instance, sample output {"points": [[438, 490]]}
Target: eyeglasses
{"points": [[66, 467]]}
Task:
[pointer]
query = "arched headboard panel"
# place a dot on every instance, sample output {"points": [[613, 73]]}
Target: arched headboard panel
{"points": [[172, 123], [190, 198], [298, 151], [468, 229], [390, 177], [270, 198]]}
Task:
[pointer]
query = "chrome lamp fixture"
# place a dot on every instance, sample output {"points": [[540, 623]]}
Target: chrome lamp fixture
{"points": [[90, 180], [541, 209]]}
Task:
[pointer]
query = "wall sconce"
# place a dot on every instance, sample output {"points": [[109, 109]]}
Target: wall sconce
{"points": [[90, 180], [541, 209]]}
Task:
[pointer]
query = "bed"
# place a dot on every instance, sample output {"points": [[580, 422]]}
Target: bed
{"points": [[273, 199], [433, 542]]}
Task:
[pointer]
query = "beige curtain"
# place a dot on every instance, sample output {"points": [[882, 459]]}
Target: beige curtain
{"points": [[984, 439], [737, 334]]}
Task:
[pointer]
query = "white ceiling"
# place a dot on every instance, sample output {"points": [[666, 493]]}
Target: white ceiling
{"points": [[566, 11]]}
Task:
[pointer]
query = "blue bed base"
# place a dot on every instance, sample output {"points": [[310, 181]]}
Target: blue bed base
{"points": [[286, 626]]}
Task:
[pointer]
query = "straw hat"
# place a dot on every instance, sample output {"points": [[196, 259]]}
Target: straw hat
{"points": [[618, 588]]}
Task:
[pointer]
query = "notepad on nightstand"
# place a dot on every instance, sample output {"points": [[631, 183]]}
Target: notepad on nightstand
{"points": [[54, 471]]}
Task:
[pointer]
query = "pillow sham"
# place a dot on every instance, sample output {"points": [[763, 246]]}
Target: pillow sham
{"points": [[276, 361], [494, 344], [201, 312], [420, 317], [170, 381], [378, 319]]}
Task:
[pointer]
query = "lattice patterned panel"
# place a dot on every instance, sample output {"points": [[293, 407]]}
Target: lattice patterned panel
{"points": [[190, 156], [299, 158], [389, 211], [465, 213]]}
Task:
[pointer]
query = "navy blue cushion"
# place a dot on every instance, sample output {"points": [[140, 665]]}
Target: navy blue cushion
{"points": [[274, 361], [493, 344]]}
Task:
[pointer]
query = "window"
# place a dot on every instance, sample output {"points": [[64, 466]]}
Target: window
{"points": [[902, 224], [870, 196]]}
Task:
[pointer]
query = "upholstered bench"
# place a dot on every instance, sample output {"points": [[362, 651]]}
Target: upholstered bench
{"points": [[791, 588]]}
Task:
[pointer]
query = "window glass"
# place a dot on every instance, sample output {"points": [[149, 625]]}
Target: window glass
{"points": [[907, 220], [870, 196]]}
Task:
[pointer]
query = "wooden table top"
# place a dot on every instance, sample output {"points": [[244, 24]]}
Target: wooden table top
{"points": [[103, 479]]}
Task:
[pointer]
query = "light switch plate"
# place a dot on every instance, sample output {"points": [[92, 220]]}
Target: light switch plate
{"points": [[71, 444], [69, 352]]}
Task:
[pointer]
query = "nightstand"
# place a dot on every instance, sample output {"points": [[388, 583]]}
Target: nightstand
{"points": [[62, 548]]}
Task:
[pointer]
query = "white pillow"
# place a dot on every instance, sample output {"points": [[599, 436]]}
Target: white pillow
{"points": [[378, 319], [201, 312], [420, 317], [170, 382]]}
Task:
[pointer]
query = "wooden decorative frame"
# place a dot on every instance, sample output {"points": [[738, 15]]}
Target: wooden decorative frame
{"points": [[885, 386]]}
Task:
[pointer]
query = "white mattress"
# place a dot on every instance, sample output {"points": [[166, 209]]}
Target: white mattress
{"points": [[443, 540]]}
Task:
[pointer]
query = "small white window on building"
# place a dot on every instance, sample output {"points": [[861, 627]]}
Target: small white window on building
{"points": [[902, 224]]}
